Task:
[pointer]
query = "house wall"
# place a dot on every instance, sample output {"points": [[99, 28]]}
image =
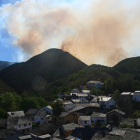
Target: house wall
{"points": [[38, 119], [102, 119], [70, 118], [82, 98], [114, 117], [94, 84], [136, 98], [68, 107], [21, 127], [85, 123], [107, 104]]}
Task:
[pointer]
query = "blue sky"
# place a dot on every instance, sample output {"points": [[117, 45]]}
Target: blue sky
{"points": [[9, 51]]}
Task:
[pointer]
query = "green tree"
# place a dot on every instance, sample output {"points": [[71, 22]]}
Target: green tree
{"points": [[2, 113], [10, 101], [57, 107], [108, 86]]}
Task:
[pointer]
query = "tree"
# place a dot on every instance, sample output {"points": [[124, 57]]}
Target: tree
{"points": [[2, 113], [108, 86], [10, 101], [57, 107]]}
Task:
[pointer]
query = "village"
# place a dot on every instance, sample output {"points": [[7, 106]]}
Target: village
{"points": [[84, 117]]}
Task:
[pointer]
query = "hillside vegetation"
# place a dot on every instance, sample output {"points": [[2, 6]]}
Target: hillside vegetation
{"points": [[40, 70]]}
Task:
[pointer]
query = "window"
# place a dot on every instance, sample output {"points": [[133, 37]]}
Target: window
{"points": [[41, 118], [19, 126], [25, 125], [85, 122], [29, 123]]}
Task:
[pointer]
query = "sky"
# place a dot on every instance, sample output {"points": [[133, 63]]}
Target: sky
{"points": [[94, 31]]}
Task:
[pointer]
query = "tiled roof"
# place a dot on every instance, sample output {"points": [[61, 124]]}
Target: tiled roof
{"points": [[16, 114], [31, 112], [41, 113], [98, 115], [70, 126], [64, 114]]}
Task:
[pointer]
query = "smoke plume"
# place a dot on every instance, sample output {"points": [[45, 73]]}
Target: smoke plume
{"points": [[99, 31]]}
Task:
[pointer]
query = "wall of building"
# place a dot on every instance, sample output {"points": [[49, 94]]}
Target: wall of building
{"points": [[103, 120]]}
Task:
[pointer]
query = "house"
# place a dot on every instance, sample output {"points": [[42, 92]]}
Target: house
{"points": [[22, 136], [106, 102], [48, 118], [115, 116], [47, 128], [67, 129], [82, 96], [22, 124], [86, 133], [85, 109], [68, 105], [126, 96], [97, 117], [60, 95], [49, 109], [84, 120], [96, 84], [31, 113], [74, 91], [87, 92], [66, 117], [136, 96], [16, 114], [40, 117], [76, 101], [67, 96]]}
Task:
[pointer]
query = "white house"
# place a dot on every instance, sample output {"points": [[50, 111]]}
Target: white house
{"points": [[106, 102], [136, 96], [40, 117], [49, 109], [94, 83], [22, 124], [82, 96], [16, 114], [84, 120], [98, 118], [68, 106], [86, 92], [74, 91]]}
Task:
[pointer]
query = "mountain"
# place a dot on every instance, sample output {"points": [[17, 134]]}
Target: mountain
{"points": [[4, 64], [92, 72], [129, 65], [40, 70], [4, 88]]}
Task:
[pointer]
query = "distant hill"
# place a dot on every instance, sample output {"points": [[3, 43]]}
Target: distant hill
{"points": [[92, 72], [129, 65], [4, 64], [41, 69], [4, 88]]}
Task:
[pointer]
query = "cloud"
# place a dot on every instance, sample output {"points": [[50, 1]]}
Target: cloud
{"points": [[94, 31]]}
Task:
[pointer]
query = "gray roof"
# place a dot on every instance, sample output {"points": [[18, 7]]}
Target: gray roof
{"points": [[31, 112], [81, 106], [95, 100], [98, 115], [16, 114], [11, 121], [138, 122], [93, 82], [116, 110], [41, 113], [64, 114], [70, 126], [129, 121], [85, 118]]}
